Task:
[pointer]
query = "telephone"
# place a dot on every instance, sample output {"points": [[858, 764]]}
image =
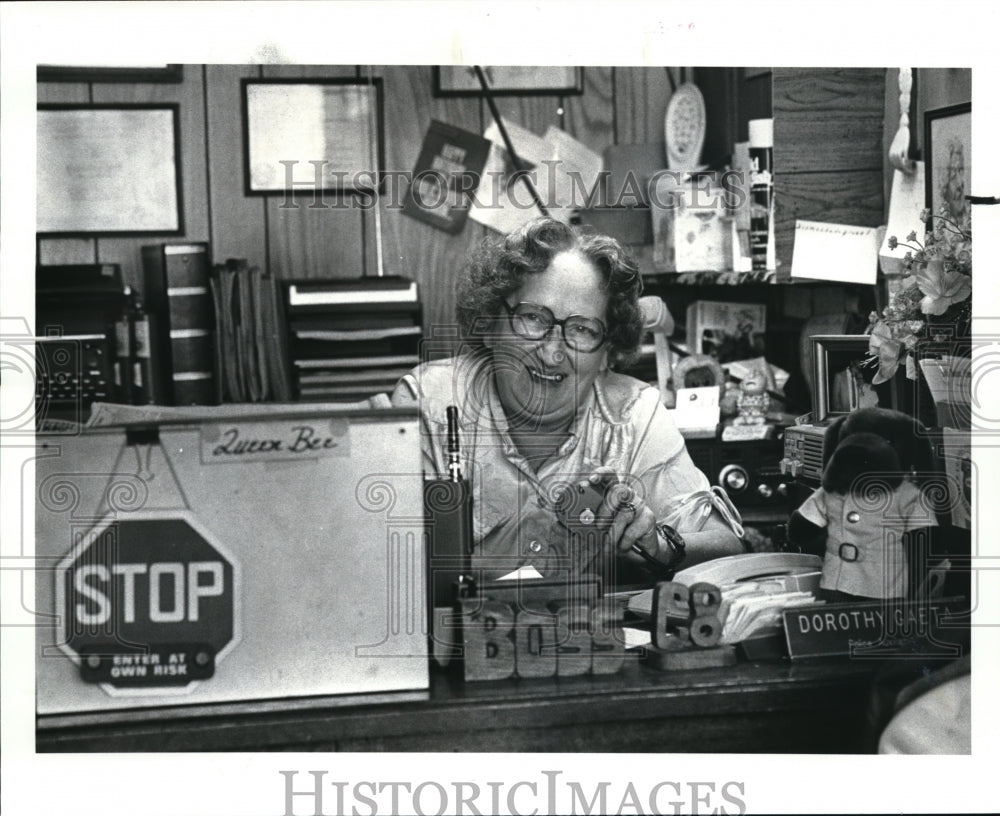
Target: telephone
{"points": [[750, 567], [772, 572]]}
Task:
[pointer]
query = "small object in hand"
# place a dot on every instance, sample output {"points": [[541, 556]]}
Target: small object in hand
{"points": [[583, 504]]}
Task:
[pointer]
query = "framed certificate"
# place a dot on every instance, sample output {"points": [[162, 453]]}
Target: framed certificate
{"points": [[509, 80], [109, 170], [312, 135]]}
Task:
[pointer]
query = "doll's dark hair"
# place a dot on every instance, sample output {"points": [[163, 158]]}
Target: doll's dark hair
{"points": [[894, 442], [499, 267]]}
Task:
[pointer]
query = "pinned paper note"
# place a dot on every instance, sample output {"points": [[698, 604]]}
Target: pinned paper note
{"points": [[562, 170], [905, 204], [835, 252]]}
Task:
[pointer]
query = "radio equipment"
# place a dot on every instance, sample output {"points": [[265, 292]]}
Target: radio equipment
{"points": [[78, 308], [803, 453], [748, 471], [71, 372]]}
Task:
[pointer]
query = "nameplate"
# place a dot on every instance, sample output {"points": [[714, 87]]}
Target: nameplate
{"points": [[877, 629], [290, 440]]}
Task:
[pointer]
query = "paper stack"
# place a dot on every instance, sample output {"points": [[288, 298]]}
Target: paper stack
{"points": [[749, 608]]}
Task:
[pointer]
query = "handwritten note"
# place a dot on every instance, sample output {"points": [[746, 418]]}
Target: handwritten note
{"points": [[835, 252]]}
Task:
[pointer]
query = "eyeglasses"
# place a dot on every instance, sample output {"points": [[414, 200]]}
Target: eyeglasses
{"points": [[534, 322]]}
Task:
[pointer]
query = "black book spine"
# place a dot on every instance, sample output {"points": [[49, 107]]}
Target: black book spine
{"points": [[179, 294]]}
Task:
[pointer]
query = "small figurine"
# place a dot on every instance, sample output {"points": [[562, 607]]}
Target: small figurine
{"points": [[871, 514], [753, 402]]}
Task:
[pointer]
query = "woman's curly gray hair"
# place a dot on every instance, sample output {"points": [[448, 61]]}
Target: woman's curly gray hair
{"points": [[499, 268]]}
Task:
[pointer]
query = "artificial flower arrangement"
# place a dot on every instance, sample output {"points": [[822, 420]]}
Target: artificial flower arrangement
{"points": [[934, 301]]}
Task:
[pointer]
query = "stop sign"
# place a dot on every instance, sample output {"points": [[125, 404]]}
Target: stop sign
{"points": [[147, 601]]}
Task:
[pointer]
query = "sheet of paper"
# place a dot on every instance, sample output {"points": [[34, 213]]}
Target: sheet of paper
{"points": [[905, 204], [576, 170], [521, 573], [835, 252], [637, 638], [563, 171], [697, 408]]}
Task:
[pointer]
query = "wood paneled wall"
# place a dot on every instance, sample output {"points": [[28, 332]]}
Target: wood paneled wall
{"points": [[828, 160], [828, 125], [618, 106]]}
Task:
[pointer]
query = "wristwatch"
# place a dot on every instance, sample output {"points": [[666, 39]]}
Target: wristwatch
{"points": [[674, 542]]}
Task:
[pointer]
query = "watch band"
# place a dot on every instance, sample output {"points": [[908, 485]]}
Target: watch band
{"points": [[674, 542]]}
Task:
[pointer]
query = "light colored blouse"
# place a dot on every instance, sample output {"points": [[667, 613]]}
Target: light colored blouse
{"points": [[621, 425]]}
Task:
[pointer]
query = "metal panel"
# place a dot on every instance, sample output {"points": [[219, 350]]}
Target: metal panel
{"points": [[328, 541]]}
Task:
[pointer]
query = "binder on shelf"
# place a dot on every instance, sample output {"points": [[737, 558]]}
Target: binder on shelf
{"points": [[177, 292]]}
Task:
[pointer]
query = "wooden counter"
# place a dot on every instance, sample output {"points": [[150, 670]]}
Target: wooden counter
{"points": [[773, 707]]}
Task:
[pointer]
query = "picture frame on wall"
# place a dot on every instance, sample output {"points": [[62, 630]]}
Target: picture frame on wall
{"points": [[509, 80], [312, 135], [109, 169], [842, 381], [110, 73], [948, 160]]}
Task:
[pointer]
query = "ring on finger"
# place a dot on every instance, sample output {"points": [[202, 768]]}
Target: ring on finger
{"points": [[628, 506]]}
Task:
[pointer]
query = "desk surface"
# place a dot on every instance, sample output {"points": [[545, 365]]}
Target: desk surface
{"points": [[774, 707]]}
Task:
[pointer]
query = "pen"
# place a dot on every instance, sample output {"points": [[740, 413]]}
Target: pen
{"points": [[454, 462], [646, 556]]}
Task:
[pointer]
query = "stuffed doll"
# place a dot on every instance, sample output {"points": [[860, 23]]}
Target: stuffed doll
{"points": [[870, 514], [753, 401]]}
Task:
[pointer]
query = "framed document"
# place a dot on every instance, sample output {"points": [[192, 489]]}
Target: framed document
{"points": [[312, 135], [509, 80], [948, 160], [109, 170]]}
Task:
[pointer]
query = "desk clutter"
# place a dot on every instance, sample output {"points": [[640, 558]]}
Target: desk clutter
{"points": [[195, 333], [547, 628]]}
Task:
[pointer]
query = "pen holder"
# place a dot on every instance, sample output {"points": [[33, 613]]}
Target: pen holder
{"points": [[448, 507]]}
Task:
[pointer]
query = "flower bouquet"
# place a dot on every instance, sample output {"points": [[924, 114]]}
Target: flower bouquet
{"points": [[934, 301]]}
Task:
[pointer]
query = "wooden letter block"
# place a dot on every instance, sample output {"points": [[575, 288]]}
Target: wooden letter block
{"points": [[608, 641], [705, 599], [676, 598], [573, 642], [706, 630], [488, 628], [535, 644], [668, 599]]}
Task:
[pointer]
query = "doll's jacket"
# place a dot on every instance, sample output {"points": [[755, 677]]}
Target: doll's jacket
{"points": [[865, 552]]}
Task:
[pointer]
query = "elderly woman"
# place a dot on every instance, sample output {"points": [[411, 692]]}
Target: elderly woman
{"points": [[548, 314]]}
